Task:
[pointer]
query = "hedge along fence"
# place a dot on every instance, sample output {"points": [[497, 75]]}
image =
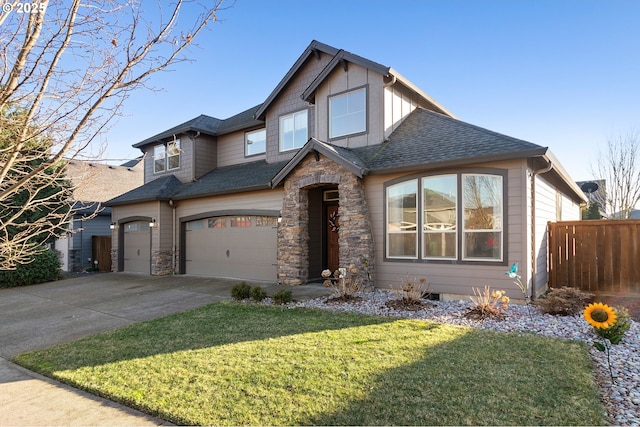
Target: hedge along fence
{"points": [[599, 256]]}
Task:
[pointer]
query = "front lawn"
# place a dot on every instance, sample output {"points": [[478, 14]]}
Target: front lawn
{"points": [[240, 364]]}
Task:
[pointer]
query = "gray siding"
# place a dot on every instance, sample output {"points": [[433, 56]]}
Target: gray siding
{"points": [[184, 173], [206, 155], [84, 231]]}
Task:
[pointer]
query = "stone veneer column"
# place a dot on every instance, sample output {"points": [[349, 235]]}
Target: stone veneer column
{"points": [[161, 263], [355, 235]]}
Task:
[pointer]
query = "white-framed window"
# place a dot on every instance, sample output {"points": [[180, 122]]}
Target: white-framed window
{"points": [[482, 198], [166, 156], [402, 230], [159, 158], [293, 130], [461, 215], [255, 142], [173, 154], [439, 219], [348, 113]]}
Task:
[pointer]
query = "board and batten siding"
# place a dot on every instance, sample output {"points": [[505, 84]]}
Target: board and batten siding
{"points": [[459, 278], [339, 82]]}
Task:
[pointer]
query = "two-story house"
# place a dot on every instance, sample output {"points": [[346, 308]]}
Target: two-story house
{"points": [[346, 162]]}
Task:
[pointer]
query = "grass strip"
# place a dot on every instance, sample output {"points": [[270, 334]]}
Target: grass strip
{"points": [[239, 364]]}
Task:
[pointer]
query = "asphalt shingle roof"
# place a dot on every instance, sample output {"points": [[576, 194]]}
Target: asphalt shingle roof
{"points": [[159, 189], [427, 138], [231, 179]]}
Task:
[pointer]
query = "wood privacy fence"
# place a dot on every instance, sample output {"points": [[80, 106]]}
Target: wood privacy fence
{"points": [[598, 256]]}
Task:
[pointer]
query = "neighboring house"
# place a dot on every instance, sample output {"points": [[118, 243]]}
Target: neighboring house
{"points": [[346, 162], [89, 239], [596, 192]]}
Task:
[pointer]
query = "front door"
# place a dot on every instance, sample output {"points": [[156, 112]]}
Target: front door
{"points": [[332, 228]]}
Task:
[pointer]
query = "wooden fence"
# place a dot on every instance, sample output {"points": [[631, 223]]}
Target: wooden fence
{"points": [[599, 256], [101, 250]]}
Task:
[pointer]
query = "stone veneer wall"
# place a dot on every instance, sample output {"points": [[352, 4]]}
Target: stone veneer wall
{"points": [[355, 236], [161, 263], [114, 260]]}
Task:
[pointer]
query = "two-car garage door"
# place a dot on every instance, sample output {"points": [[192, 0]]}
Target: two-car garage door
{"points": [[242, 247]]}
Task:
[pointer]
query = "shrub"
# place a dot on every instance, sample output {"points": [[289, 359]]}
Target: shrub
{"points": [[241, 291], [45, 267], [564, 301], [345, 283], [258, 294], [282, 297], [488, 304]]}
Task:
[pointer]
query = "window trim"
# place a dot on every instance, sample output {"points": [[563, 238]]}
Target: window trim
{"points": [[365, 89], [246, 145], [459, 232], [166, 156], [292, 115]]}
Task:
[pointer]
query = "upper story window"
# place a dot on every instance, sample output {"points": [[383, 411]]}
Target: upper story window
{"points": [[255, 142], [166, 156], [456, 211], [293, 130], [348, 113]]}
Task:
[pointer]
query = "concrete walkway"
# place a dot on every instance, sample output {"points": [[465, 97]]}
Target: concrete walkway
{"points": [[37, 317]]}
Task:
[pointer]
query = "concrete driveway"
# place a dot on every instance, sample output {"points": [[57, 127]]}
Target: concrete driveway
{"points": [[37, 317]]}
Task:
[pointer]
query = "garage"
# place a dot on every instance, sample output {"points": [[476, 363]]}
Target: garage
{"points": [[242, 247], [137, 247]]}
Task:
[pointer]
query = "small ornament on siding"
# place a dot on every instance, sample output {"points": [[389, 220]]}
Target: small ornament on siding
{"points": [[333, 221]]}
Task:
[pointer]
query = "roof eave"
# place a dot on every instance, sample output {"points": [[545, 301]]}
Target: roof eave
{"points": [[265, 186]]}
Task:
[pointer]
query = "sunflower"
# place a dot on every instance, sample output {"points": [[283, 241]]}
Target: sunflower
{"points": [[600, 315]]}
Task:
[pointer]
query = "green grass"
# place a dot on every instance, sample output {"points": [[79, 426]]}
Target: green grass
{"points": [[239, 364]]}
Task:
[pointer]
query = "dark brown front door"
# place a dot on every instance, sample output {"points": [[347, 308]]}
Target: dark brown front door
{"points": [[333, 249]]}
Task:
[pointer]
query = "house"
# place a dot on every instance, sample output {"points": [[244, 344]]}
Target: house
{"points": [[345, 162], [89, 237]]}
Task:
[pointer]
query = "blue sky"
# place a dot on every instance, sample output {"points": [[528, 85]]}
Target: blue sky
{"points": [[563, 73]]}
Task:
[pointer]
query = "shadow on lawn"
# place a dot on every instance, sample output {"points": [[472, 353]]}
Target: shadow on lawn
{"points": [[455, 384], [209, 326]]}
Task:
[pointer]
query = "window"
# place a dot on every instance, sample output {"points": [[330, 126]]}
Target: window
{"points": [[219, 222], [293, 130], [196, 225], [166, 157], [255, 142], [159, 154], [482, 201], [439, 221], [401, 220], [173, 154], [266, 221], [241, 221], [461, 217], [348, 113]]}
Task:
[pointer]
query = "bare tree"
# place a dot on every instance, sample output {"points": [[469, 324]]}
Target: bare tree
{"points": [[619, 167], [66, 68]]}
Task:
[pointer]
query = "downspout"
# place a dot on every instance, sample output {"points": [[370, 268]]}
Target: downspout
{"points": [[173, 237], [391, 82], [534, 270]]}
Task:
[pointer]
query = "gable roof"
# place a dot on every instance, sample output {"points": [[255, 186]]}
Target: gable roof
{"points": [[343, 156], [314, 48], [202, 123]]}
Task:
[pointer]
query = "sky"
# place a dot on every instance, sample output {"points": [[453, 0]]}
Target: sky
{"points": [[563, 74]]}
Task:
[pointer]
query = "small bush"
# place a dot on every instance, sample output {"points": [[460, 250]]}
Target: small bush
{"points": [[241, 291], [45, 267], [488, 304], [564, 301], [282, 297], [258, 294]]}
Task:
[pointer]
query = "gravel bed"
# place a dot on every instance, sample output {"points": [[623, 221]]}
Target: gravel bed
{"points": [[621, 399]]}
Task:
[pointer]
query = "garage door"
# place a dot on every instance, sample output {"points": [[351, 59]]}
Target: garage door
{"points": [[137, 247], [242, 247]]}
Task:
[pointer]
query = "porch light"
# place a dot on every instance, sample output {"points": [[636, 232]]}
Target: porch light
{"points": [[113, 226], [152, 223]]}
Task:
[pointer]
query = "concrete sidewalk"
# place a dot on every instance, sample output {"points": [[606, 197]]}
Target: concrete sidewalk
{"points": [[37, 317]]}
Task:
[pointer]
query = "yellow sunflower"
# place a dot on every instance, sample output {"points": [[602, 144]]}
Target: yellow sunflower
{"points": [[600, 315]]}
